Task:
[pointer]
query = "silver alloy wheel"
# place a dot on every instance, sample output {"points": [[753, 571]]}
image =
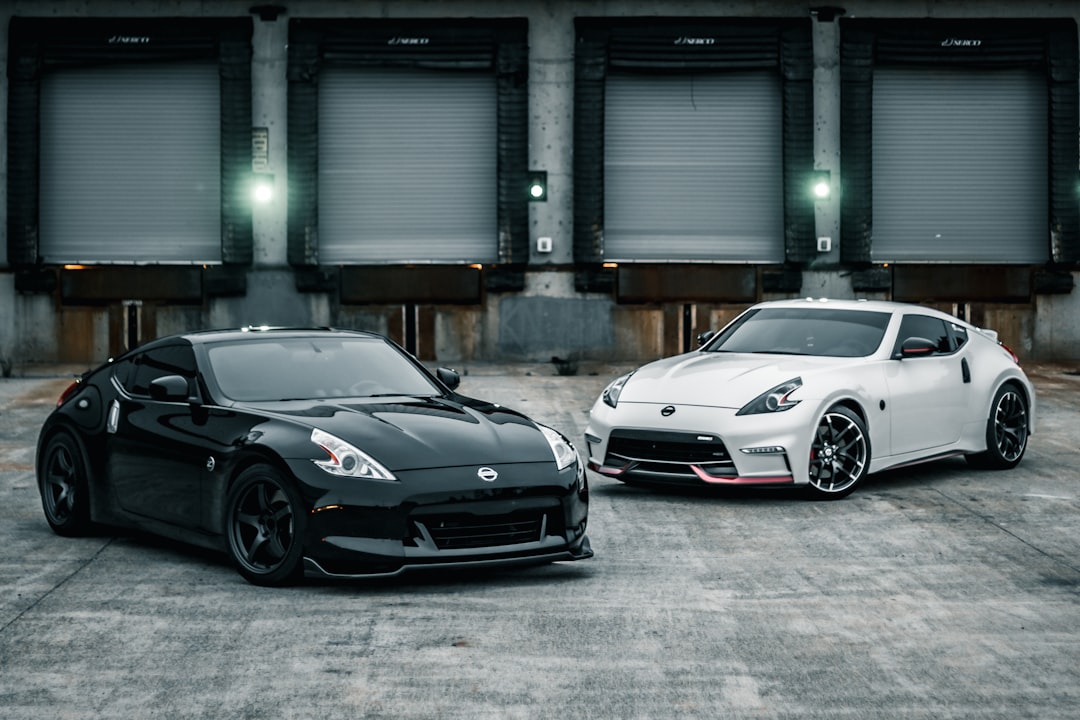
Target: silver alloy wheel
{"points": [[1010, 425], [838, 454]]}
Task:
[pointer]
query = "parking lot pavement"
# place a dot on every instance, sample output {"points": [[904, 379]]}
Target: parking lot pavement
{"points": [[932, 592]]}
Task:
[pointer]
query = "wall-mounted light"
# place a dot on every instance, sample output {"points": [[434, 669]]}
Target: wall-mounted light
{"points": [[537, 186], [262, 188], [821, 184]]}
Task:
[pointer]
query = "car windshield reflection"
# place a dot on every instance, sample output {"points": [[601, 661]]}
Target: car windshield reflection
{"points": [[804, 331], [313, 368]]}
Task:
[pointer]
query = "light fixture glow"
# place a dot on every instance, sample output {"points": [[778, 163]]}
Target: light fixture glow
{"points": [[263, 193], [262, 188], [821, 184], [537, 186]]}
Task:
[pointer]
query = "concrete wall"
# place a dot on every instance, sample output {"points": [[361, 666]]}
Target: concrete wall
{"points": [[548, 318]]}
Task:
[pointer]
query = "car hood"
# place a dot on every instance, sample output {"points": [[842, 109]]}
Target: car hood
{"points": [[719, 379], [415, 433]]}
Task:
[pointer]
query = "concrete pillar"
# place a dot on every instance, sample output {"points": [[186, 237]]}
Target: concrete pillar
{"points": [[269, 110], [826, 39], [551, 122]]}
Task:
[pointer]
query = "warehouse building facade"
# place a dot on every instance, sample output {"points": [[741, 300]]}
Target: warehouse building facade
{"points": [[502, 181]]}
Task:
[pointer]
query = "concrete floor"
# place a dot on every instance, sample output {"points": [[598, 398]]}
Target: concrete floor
{"points": [[932, 592]]}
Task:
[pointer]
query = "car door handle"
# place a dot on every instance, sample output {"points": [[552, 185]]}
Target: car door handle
{"points": [[114, 418], [965, 369]]}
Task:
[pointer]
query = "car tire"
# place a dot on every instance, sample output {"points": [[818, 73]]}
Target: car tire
{"points": [[1006, 431], [64, 485], [839, 454], [264, 526]]}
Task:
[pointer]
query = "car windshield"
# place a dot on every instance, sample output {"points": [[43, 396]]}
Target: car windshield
{"points": [[804, 331], [305, 368]]}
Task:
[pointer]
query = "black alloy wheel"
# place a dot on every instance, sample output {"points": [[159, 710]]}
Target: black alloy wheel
{"points": [[265, 524], [839, 454], [64, 486], [1006, 431]]}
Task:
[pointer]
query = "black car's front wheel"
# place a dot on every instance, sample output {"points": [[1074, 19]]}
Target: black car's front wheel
{"points": [[1006, 431], [839, 454], [264, 525], [64, 486]]}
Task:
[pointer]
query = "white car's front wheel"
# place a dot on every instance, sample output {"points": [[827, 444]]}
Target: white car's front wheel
{"points": [[839, 454]]}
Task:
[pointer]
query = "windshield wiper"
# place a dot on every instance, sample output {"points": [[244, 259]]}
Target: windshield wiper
{"points": [[777, 352]]}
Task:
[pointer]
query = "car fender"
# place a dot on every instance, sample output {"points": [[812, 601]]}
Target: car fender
{"points": [[1006, 376], [863, 389], [992, 367]]}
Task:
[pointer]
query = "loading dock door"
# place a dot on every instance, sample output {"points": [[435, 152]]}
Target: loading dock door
{"points": [[131, 164], [693, 167], [960, 164], [407, 166]]}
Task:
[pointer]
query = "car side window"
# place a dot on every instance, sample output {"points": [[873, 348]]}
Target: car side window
{"points": [[122, 371], [159, 362], [930, 328], [959, 334]]}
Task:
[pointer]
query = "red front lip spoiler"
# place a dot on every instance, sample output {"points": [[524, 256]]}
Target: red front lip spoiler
{"points": [[703, 476]]}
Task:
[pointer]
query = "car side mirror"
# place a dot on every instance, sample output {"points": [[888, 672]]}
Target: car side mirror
{"points": [[169, 388], [914, 347], [705, 337], [449, 378]]}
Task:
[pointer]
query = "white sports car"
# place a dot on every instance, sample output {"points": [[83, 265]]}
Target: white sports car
{"points": [[815, 394]]}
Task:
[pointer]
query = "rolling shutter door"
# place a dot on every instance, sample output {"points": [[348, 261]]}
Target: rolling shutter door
{"points": [[693, 167], [407, 166], [131, 164], [960, 166]]}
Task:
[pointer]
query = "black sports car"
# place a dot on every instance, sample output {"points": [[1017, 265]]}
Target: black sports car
{"points": [[320, 452]]}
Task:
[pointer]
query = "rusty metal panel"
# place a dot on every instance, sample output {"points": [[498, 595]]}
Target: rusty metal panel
{"points": [[1014, 324], [103, 284], [422, 284], [425, 331], [988, 283], [638, 332], [76, 332], [673, 337], [686, 283]]}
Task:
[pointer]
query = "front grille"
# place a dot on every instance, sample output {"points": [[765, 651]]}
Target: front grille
{"points": [[667, 453], [457, 532], [685, 448]]}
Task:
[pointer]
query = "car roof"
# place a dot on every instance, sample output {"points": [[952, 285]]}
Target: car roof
{"points": [[203, 337], [888, 306]]}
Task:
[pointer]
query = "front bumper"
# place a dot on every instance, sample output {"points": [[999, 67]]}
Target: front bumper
{"points": [[698, 446], [446, 518], [534, 555]]}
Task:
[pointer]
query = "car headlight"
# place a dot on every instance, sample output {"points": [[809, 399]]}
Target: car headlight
{"points": [[564, 452], [614, 389], [346, 460], [776, 400]]}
